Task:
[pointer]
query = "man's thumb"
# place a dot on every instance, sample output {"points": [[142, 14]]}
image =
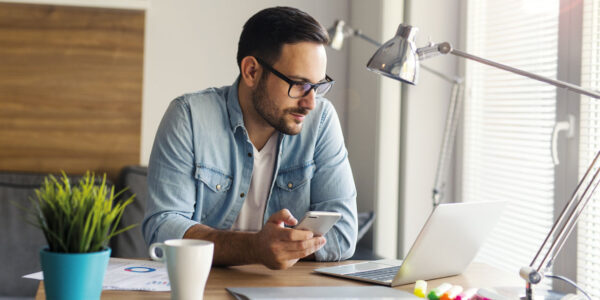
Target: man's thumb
{"points": [[283, 216]]}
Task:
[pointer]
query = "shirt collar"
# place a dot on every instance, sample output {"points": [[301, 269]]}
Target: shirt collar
{"points": [[236, 118]]}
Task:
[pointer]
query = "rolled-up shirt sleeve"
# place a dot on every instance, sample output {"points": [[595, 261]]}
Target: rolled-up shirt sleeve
{"points": [[334, 189], [171, 184]]}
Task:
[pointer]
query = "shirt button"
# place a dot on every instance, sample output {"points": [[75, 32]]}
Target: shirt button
{"points": [[249, 154], [290, 185], [242, 195], [218, 187]]}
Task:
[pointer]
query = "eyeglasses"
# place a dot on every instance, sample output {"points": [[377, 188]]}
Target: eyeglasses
{"points": [[299, 89]]}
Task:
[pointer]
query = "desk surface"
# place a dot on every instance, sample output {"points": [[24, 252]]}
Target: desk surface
{"points": [[477, 275]]}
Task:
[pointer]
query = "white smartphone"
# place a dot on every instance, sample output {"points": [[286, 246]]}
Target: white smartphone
{"points": [[319, 222]]}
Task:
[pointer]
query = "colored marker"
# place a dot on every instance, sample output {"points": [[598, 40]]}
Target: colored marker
{"points": [[420, 288], [452, 293], [437, 292], [466, 295]]}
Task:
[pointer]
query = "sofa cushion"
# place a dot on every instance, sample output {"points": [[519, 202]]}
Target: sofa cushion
{"points": [[131, 244], [21, 241]]}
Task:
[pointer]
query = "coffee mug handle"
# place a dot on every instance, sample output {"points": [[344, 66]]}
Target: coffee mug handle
{"points": [[152, 251]]}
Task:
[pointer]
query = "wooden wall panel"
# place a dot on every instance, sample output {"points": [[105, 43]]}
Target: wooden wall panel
{"points": [[70, 88]]}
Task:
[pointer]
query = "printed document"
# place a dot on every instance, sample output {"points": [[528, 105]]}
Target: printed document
{"points": [[131, 274]]}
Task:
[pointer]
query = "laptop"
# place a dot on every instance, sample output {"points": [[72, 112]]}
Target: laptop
{"points": [[446, 245]]}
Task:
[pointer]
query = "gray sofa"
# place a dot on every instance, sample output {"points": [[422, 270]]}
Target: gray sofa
{"points": [[131, 244], [21, 242]]}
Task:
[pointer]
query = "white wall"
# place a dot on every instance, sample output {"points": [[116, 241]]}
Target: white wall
{"points": [[374, 124], [191, 45], [424, 109]]}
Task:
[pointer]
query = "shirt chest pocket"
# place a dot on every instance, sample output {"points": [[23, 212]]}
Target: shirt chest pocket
{"points": [[213, 186], [293, 188]]}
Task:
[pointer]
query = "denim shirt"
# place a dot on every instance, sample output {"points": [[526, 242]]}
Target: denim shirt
{"points": [[201, 165]]}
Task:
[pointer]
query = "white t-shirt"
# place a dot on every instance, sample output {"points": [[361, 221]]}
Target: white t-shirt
{"points": [[253, 210]]}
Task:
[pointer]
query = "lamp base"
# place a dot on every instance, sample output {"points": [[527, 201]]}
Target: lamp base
{"points": [[506, 293]]}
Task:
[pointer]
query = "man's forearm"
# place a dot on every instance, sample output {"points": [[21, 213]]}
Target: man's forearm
{"points": [[231, 247], [274, 246]]}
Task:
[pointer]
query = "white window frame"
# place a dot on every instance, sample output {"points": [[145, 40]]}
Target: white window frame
{"points": [[566, 174]]}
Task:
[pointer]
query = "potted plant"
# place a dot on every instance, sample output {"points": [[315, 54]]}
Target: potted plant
{"points": [[78, 220]]}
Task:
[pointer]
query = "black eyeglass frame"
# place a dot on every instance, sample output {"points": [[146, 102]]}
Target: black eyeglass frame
{"points": [[313, 86]]}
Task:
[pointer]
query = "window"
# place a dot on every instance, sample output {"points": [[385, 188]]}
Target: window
{"points": [[509, 120], [508, 123]]}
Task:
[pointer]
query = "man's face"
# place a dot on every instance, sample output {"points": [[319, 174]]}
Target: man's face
{"points": [[305, 62]]}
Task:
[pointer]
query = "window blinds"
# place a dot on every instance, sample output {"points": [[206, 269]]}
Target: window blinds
{"points": [[588, 233], [508, 123]]}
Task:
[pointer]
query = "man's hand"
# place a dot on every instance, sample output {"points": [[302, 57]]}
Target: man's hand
{"points": [[278, 247], [274, 246]]}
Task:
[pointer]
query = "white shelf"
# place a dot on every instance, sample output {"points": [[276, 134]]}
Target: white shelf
{"points": [[119, 4]]}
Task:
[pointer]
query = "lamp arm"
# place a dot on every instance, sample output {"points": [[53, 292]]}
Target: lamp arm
{"points": [[429, 51], [575, 207], [570, 224], [358, 33], [446, 47], [535, 275], [452, 117], [453, 79]]}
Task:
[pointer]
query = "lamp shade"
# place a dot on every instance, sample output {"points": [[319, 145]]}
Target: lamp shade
{"points": [[336, 35], [398, 58]]}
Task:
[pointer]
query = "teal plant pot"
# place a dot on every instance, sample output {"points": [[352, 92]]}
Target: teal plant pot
{"points": [[73, 276]]}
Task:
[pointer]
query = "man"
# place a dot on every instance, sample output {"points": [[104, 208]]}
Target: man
{"points": [[238, 165]]}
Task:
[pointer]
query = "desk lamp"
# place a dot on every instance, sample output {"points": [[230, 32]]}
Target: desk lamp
{"points": [[399, 59], [340, 31]]}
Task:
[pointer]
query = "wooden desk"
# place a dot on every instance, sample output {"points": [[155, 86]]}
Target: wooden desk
{"points": [[477, 275]]}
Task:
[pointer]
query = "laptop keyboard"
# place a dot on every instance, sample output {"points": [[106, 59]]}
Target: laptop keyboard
{"points": [[385, 274]]}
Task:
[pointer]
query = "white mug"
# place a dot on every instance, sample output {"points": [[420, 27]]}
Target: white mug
{"points": [[188, 265]]}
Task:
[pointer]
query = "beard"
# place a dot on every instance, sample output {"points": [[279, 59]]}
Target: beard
{"points": [[268, 110]]}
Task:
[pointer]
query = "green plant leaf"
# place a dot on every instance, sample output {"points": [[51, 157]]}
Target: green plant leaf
{"points": [[77, 218]]}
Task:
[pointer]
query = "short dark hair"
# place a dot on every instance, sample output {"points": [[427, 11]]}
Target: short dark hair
{"points": [[269, 29]]}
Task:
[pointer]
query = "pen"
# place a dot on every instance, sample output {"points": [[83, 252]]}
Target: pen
{"points": [[437, 292], [452, 293], [420, 288]]}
